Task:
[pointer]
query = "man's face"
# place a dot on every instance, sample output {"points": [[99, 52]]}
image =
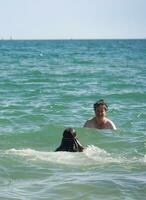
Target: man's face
{"points": [[100, 111]]}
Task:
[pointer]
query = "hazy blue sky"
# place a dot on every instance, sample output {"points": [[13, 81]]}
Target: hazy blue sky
{"points": [[65, 19]]}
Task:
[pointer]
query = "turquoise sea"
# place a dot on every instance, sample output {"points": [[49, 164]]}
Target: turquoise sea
{"points": [[46, 86]]}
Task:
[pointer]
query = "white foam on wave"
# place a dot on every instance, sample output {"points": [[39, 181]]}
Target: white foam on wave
{"points": [[92, 155], [54, 157], [100, 155], [144, 159]]}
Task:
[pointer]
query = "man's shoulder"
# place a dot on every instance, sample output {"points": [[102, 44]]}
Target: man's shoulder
{"points": [[89, 122], [111, 124], [91, 119]]}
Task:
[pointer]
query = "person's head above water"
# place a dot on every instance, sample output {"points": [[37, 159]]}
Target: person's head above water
{"points": [[100, 108], [69, 133], [100, 103], [70, 142]]}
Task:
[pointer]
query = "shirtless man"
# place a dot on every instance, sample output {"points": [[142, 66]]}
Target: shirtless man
{"points": [[100, 121]]}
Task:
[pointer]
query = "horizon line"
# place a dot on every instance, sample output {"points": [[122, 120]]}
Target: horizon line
{"points": [[13, 39]]}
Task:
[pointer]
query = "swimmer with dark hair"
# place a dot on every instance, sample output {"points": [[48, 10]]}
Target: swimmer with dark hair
{"points": [[70, 142], [100, 121]]}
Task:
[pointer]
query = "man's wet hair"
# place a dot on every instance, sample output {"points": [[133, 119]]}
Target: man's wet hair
{"points": [[100, 102], [70, 142]]}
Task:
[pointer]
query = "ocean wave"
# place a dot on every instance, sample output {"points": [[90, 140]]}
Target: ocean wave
{"points": [[91, 156]]}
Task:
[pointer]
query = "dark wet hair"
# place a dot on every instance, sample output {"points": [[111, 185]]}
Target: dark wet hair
{"points": [[70, 142], [100, 102]]}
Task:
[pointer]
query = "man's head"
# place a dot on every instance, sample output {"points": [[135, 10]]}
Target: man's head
{"points": [[100, 108]]}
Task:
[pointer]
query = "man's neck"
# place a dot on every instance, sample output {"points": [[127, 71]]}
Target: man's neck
{"points": [[100, 119]]}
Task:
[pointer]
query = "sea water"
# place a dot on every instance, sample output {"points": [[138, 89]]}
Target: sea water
{"points": [[46, 86]]}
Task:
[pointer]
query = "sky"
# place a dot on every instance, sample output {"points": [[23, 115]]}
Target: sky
{"points": [[72, 19]]}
